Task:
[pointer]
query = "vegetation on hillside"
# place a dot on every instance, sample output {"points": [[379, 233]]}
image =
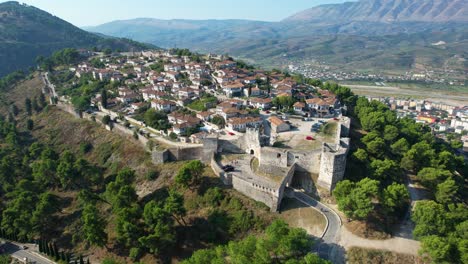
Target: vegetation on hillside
{"points": [[81, 181], [28, 32], [387, 150]]}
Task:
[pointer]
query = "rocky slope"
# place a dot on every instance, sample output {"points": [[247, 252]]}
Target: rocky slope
{"points": [[388, 11]]}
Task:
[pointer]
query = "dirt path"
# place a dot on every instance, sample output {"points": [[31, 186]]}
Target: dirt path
{"points": [[396, 244]]}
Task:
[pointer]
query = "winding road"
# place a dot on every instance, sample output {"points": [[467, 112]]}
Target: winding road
{"points": [[328, 247]]}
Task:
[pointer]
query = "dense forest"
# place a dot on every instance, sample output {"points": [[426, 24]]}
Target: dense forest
{"points": [[388, 151]]}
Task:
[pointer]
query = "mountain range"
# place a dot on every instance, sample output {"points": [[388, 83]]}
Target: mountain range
{"points": [[388, 11], [378, 35], [27, 32]]}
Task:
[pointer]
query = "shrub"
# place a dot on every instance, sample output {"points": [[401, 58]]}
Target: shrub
{"points": [[135, 253], [173, 136], [151, 175], [106, 120], [213, 196], [85, 147]]}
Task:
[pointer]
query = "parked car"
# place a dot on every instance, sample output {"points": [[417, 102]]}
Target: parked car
{"points": [[228, 168]]}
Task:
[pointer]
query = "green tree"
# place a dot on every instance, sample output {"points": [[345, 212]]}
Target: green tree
{"points": [[377, 147], [160, 225], [190, 173], [431, 177], [395, 198], [390, 133], [46, 206], [435, 249], [419, 156], [446, 191], [29, 124], [66, 171], [28, 106], [385, 170], [127, 227], [104, 98], [174, 205], [93, 226], [430, 219]]}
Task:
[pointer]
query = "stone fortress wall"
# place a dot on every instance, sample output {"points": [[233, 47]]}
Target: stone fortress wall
{"points": [[329, 162]]}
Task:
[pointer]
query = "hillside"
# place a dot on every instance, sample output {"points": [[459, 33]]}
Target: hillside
{"points": [[109, 154], [388, 11], [27, 32], [358, 36]]}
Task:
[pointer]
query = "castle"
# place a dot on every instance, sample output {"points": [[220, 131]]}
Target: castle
{"points": [[264, 171]]}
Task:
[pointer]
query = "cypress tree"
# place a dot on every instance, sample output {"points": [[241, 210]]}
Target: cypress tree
{"points": [[28, 106], [42, 100], [56, 252], [47, 248], [104, 98]]}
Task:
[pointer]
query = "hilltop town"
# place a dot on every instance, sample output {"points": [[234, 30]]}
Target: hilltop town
{"points": [[257, 129]]}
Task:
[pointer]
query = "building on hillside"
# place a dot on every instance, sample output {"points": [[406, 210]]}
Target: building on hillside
{"points": [[261, 103], [278, 125], [163, 105], [299, 108], [240, 124]]}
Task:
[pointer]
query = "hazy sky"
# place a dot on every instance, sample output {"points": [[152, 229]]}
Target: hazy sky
{"points": [[94, 12]]}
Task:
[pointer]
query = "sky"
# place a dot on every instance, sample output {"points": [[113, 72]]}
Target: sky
{"points": [[96, 12]]}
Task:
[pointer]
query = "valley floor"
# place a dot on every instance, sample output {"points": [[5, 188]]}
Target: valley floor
{"points": [[449, 97]]}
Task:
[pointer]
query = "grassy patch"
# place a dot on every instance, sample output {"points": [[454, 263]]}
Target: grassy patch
{"points": [[296, 214], [328, 131], [356, 255], [203, 104]]}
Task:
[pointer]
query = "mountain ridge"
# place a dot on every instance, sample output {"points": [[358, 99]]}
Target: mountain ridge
{"points": [[27, 32], [388, 11]]}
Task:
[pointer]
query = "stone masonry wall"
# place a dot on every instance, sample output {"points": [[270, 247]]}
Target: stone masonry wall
{"points": [[256, 192], [273, 157], [333, 164], [307, 161]]}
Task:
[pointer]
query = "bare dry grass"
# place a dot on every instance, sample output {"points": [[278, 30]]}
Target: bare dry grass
{"points": [[366, 230], [297, 214], [356, 255]]}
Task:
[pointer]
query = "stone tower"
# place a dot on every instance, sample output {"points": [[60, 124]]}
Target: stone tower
{"points": [[333, 164]]}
